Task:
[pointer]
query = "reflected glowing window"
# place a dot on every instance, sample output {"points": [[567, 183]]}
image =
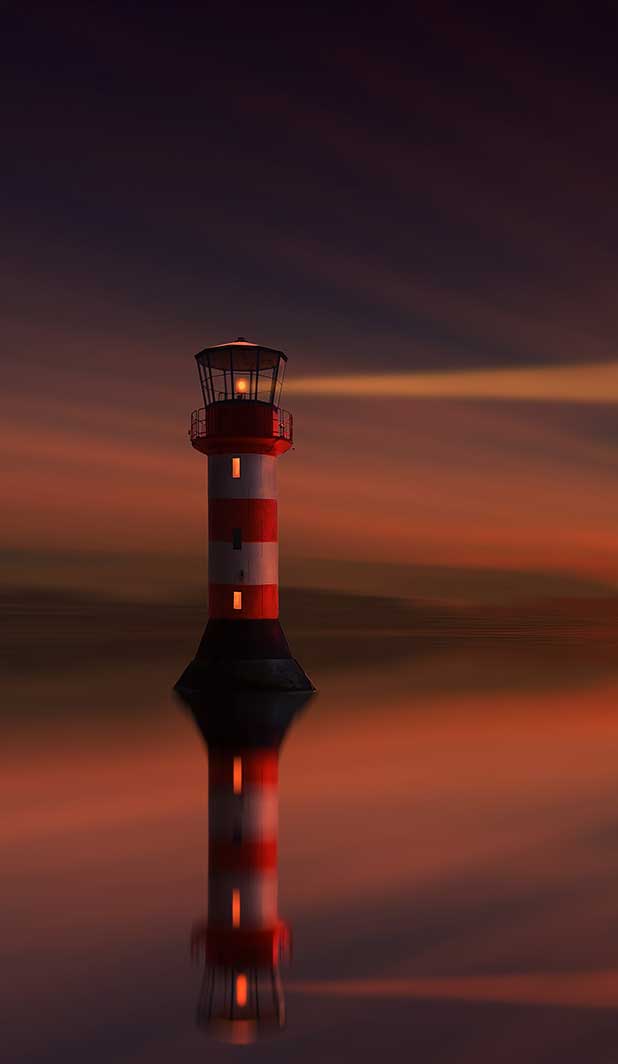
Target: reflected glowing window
{"points": [[237, 774], [235, 908], [241, 991], [238, 600], [236, 468]]}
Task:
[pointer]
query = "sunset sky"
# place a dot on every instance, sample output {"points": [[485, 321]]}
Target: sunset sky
{"points": [[420, 212]]}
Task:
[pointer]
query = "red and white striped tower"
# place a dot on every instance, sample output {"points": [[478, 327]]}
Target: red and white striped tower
{"points": [[243, 940], [243, 430]]}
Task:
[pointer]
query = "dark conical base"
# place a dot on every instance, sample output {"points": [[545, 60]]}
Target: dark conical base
{"points": [[242, 656], [245, 718]]}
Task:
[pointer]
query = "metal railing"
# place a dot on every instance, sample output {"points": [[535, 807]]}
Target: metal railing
{"points": [[281, 423], [197, 427]]}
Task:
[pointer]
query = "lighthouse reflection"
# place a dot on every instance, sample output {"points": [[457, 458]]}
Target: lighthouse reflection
{"points": [[243, 942]]}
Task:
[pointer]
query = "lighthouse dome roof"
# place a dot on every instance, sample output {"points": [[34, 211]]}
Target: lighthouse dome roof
{"points": [[244, 352]]}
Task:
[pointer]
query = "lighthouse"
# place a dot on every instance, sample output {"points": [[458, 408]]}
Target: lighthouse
{"points": [[243, 430], [243, 942]]}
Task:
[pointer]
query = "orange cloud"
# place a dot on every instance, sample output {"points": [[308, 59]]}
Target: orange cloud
{"points": [[448, 482]]}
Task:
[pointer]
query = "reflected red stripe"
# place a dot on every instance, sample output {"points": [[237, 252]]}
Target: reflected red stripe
{"points": [[252, 947], [258, 767], [241, 857]]}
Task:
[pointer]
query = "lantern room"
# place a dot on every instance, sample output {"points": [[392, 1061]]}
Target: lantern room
{"points": [[242, 996], [241, 371]]}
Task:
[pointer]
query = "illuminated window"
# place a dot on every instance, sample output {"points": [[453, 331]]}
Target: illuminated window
{"points": [[241, 991], [237, 774], [236, 468], [236, 538], [238, 600], [235, 908]]}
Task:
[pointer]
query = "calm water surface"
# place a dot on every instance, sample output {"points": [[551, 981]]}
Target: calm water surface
{"points": [[448, 865]]}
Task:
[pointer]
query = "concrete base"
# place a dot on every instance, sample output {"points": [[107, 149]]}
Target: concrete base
{"points": [[242, 656], [238, 674]]}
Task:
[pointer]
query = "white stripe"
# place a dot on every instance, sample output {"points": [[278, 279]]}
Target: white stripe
{"points": [[257, 480], [254, 563], [258, 898]]}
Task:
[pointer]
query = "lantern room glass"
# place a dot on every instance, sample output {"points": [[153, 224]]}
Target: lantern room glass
{"points": [[236, 372]]}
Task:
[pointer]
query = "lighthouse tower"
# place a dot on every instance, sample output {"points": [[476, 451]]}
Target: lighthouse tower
{"points": [[243, 430], [243, 942]]}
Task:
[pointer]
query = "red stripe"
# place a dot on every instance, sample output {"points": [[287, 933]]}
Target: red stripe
{"points": [[259, 601], [256, 519], [241, 857], [258, 767], [240, 445]]}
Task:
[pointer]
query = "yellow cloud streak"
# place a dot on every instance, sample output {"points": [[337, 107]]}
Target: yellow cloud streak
{"points": [[594, 383]]}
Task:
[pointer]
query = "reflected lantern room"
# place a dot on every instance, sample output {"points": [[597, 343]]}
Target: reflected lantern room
{"points": [[241, 371]]}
